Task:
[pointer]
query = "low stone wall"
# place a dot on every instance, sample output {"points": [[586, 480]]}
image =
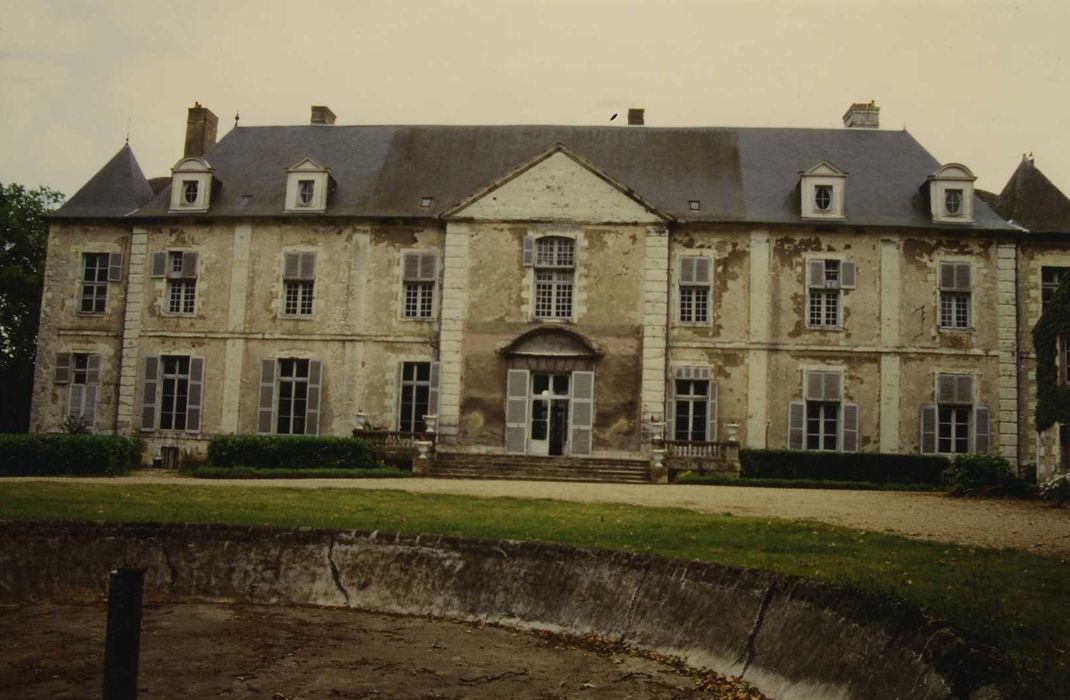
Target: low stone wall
{"points": [[790, 637]]}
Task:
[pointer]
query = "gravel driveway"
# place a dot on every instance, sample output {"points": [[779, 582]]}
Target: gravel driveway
{"points": [[1026, 525]]}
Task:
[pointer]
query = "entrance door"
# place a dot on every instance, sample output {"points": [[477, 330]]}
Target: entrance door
{"points": [[548, 432]]}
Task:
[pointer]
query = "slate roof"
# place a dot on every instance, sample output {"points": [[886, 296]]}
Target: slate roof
{"points": [[118, 189], [738, 174], [1031, 200]]}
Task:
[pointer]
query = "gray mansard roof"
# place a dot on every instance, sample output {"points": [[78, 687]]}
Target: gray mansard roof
{"points": [[118, 189], [739, 174]]}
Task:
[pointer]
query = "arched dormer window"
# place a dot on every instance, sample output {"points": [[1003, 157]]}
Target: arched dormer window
{"points": [[307, 185], [821, 190], [191, 185], [951, 194]]}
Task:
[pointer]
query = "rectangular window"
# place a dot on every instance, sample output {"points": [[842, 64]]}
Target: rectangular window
{"points": [[826, 280], [955, 293], [79, 368], [690, 415], [174, 395], [953, 429], [555, 259], [822, 425], [694, 279], [824, 308], [293, 397], [1050, 277], [298, 297], [94, 283], [415, 396], [181, 297], [419, 272]]}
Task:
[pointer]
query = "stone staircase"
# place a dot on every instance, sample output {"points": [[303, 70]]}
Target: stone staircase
{"points": [[455, 465]]}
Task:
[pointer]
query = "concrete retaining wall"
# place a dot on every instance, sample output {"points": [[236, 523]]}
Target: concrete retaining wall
{"points": [[791, 638]]}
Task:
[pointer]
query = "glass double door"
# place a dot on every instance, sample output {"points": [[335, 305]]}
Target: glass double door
{"points": [[548, 432]]}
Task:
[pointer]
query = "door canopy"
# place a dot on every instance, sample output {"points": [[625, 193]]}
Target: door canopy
{"points": [[551, 349]]}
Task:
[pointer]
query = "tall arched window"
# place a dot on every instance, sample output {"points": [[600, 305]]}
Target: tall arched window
{"points": [[555, 267]]}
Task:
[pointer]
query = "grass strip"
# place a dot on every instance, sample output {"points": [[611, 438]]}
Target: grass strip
{"points": [[315, 473], [720, 480], [1009, 598]]}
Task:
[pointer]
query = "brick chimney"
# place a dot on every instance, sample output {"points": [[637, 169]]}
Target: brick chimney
{"points": [[862, 115], [635, 116], [322, 115], [200, 130]]}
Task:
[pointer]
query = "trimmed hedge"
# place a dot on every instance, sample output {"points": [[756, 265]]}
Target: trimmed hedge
{"points": [[318, 473], [843, 466], [291, 452], [691, 478], [67, 454]]}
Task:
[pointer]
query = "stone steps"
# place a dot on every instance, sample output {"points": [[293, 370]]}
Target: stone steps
{"points": [[522, 467]]}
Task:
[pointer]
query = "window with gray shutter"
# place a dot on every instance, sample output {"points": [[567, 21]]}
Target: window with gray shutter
{"points": [[693, 278], [582, 412], [92, 369], [63, 368], [419, 271], [815, 274], [516, 411], [195, 396], [822, 385], [528, 255], [955, 277], [928, 429], [954, 388], [75, 401], [982, 430], [849, 440], [150, 379], [432, 394], [312, 407], [266, 405], [189, 265], [711, 413], [89, 406], [159, 264], [291, 266], [796, 424], [670, 408], [115, 267], [848, 273]]}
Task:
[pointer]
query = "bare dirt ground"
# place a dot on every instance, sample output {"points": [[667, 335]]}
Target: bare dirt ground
{"points": [[1027, 525], [243, 651]]}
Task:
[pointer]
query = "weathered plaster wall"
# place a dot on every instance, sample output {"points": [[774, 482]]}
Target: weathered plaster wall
{"points": [[792, 638]]}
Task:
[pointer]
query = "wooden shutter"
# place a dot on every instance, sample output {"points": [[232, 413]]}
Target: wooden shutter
{"points": [[115, 267], [266, 406], [75, 400], [432, 392], [848, 275], [582, 412], [89, 405], [796, 424], [195, 397], [189, 265], [955, 277], [711, 412], [312, 405], [92, 369], [148, 393], [307, 265], [702, 269], [945, 388], [928, 430], [815, 274], [428, 267], [982, 438], [63, 368], [815, 386], [528, 255], [849, 438], [687, 269], [964, 388], [670, 408], [516, 411], [159, 264], [833, 386], [291, 266], [410, 266], [962, 277]]}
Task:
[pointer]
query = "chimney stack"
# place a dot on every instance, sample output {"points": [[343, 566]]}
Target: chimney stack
{"points": [[862, 115], [635, 116], [322, 115], [200, 130]]}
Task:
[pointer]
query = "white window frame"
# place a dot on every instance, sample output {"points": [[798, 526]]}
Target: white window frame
{"points": [[692, 399], [555, 264], [303, 282], [419, 285], [98, 285], [195, 171], [954, 302], [176, 377], [294, 381]]}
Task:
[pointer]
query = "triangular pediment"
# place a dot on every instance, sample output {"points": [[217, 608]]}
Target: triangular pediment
{"points": [[557, 185], [826, 169], [306, 165]]}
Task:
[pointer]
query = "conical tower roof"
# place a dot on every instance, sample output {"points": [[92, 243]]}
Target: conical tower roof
{"points": [[1031, 200], [118, 189]]}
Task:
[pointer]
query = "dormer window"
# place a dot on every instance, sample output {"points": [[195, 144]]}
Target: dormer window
{"points": [[191, 185], [821, 191], [951, 194], [307, 184]]}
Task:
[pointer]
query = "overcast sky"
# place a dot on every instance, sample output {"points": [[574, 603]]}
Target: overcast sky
{"points": [[976, 82]]}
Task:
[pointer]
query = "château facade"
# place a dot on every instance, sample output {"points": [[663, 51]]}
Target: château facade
{"points": [[548, 290]]}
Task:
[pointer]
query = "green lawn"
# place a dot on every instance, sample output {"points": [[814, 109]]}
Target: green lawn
{"points": [[1012, 599]]}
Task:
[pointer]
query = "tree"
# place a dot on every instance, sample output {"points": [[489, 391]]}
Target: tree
{"points": [[23, 243]]}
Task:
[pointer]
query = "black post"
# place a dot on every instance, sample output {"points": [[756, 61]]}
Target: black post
{"points": [[123, 638]]}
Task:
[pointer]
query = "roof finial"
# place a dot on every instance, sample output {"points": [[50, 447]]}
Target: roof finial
{"points": [[129, 111], [236, 118]]}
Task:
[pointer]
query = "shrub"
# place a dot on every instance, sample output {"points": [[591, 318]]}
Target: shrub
{"points": [[1056, 489], [76, 454], [318, 473], [842, 466], [291, 452], [989, 475]]}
